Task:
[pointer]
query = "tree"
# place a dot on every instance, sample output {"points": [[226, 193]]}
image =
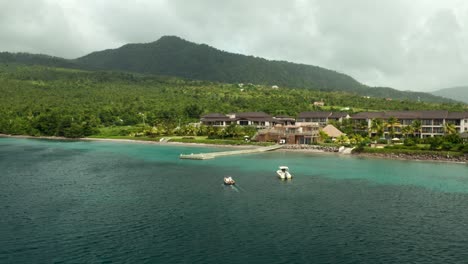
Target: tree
{"points": [[323, 136], [193, 111], [407, 130], [391, 124], [343, 139], [417, 127], [449, 129], [377, 126]]}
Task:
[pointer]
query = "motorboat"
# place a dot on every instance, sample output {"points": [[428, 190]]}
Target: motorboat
{"points": [[283, 173], [229, 181]]}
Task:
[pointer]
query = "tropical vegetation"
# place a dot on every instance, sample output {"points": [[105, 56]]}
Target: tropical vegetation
{"points": [[173, 56]]}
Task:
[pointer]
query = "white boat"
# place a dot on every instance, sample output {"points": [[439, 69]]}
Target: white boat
{"points": [[283, 173], [229, 181]]}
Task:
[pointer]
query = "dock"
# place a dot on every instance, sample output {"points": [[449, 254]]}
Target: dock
{"points": [[212, 155]]}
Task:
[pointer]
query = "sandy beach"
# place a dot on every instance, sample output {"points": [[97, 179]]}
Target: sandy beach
{"points": [[291, 148], [132, 141]]}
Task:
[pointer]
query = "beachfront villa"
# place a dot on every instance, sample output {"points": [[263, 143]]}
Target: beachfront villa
{"points": [[300, 133]]}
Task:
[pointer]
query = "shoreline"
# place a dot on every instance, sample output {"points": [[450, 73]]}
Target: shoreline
{"points": [[418, 158], [118, 140], [438, 159]]}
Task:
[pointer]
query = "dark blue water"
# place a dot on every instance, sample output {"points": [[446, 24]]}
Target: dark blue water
{"points": [[96, 202]]}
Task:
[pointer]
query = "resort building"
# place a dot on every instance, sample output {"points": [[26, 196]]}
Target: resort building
{"points": [[305, 133], [305, 129], [433, 122], [256, 119], [322, 118]]}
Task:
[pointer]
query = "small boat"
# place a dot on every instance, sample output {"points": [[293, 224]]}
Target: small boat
{"points": [[229, 181], [283, 173]]}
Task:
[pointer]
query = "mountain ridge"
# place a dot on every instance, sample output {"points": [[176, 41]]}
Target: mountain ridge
{"points": [[459, 93], [174, 56]]}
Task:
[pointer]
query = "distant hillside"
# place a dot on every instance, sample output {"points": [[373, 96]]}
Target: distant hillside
{"points": [[456, 93], [173, 56], [44, 100], [36, 59], [177, 57]]}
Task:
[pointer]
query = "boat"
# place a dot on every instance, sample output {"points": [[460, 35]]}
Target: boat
{"points": [[283, 173], [229, 181]]}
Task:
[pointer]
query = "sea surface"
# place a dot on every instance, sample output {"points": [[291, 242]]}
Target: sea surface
{"points": [[108, 202]]}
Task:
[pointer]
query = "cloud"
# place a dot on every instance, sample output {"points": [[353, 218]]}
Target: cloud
{"points": [[418, 45]]}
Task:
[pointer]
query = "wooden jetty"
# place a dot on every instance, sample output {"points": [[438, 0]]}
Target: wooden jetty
{"points": [[212, 155]]}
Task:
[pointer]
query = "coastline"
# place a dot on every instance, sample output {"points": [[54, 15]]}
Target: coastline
{"points": [[419, 158], [117, 140]]}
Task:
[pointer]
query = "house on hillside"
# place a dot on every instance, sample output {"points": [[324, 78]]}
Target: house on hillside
{"points": [[319, 103]]}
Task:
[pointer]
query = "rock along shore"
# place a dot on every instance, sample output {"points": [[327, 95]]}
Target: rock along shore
{"points": [[421, 157], [311, 147]]}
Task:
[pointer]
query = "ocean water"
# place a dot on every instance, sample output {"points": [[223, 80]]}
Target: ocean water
{"points": [[103, 202]]}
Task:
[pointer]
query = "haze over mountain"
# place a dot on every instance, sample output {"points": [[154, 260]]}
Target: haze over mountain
{"points": [[459, 93], [173, 56]]}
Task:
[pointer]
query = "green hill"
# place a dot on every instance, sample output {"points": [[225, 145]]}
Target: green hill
{"points": [[43, 100], [456, 93], [177, 57], [36, 59], [173, 56]]}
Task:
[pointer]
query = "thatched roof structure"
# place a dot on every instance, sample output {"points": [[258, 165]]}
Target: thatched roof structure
{"points": [[332, 131]]}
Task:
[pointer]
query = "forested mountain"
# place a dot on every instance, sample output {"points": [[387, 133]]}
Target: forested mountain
{"points": [[36, 59], [173, 56], [456, 93], [39, 100], [177, 57]]}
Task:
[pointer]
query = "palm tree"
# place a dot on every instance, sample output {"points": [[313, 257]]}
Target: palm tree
{"points": [[417, 127], [407, 130], [391, 123], [343, 139], [323, 135], [449, 129], [377, 127]]}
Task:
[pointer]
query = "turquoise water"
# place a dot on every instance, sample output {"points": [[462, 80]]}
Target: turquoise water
{"points": [[103, 202]]}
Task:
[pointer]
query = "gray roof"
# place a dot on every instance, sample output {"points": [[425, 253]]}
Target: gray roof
{"points": [[314, 114], [424, 114], [212, 115], [457, 115], [253, 115], [367, 115], [338, 115]]}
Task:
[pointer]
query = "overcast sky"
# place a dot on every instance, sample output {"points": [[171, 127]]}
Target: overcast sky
{"points": [[417, 45]]}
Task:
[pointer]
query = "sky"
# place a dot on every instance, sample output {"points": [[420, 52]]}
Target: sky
{"points": [[419, 45]]}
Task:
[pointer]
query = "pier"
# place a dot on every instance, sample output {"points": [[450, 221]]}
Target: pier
{"points": [[212, 155]]}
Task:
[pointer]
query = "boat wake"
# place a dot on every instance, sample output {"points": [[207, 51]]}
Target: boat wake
{"points": [[235, 188]]}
